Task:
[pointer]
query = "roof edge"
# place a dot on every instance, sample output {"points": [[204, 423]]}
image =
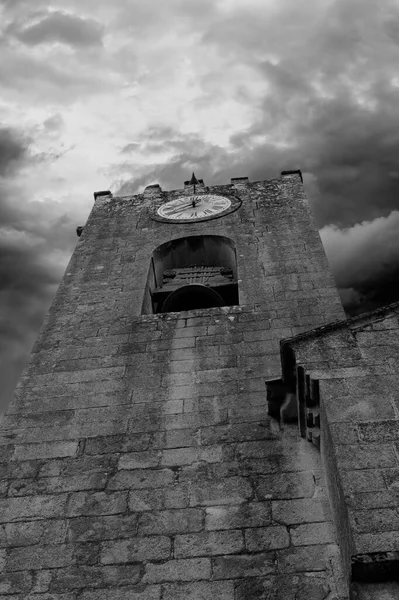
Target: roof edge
{"points": [[317, 331]]}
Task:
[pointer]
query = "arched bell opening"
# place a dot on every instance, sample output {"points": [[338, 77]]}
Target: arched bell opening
{"points": [[192, 273]]}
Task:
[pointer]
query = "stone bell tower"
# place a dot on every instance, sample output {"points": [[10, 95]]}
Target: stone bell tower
{"points": [[140, 461]]}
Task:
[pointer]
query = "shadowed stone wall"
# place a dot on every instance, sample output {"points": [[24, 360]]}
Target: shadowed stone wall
{"points": [[138, 461], [356, 365]]}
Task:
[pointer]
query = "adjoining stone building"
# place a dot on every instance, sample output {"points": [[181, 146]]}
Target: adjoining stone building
{"points": [[144, 458]]}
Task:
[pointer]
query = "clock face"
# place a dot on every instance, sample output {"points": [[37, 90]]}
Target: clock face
{"points": [[194, 208]]}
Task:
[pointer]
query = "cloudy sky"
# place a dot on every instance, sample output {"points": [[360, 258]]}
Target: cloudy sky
{"points": [[117, 95]]}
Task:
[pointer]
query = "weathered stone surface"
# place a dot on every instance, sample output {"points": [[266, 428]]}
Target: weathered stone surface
{"points": [[14, 583], [208, 544], [96, 503], [84, 529], [375, 520], [42, 581], [117, 443], [243, 565], [285, 485], [139, 592], [86, 577], [376, 591], [368, 500], [367, 480], [139, 462], [34, 532], [309, 586], [312, 533], [380, 541], [49, 596], [182, 456], [308, 510], [45, 450], [141, 478], [20, 559], [266, 538], [87, 553], [256, 514], [137, 549], [199, 590], [232, 490], [37, 507], [305, 558], [370, 456], [189, 569], [171, 521], [143, 500]]}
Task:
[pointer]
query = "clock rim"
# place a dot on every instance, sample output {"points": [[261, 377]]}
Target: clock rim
{"points": [[235, 203]]}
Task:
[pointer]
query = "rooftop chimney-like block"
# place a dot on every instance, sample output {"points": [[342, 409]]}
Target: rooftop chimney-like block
{"points": [[291, 174], [239, 182], [152, 190], [102, 193]]}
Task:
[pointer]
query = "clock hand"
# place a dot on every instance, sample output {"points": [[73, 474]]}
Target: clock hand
{"points": [[172, 209], [184, 207], [181, 210]]}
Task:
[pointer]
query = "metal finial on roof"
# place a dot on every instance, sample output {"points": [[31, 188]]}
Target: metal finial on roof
{"points": [[193, 180]]}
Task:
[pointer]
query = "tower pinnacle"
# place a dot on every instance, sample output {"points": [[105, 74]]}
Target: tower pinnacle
{"points": [[193, 180]]}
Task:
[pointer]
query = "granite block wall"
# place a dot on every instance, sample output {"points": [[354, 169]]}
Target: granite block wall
{"points": [[138, 461]]}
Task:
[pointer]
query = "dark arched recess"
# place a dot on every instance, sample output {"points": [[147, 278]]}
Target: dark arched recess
{"points": [[192, 272]]}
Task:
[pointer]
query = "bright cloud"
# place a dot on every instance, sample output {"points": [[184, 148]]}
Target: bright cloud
{"points": [[57, 27]]}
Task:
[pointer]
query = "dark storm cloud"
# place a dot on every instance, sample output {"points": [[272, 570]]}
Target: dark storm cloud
{"points": [[350, 151], [58, 26], [36, 239], [353, 152], [12, 150], [27, 285], [187, 152], [330, 95], [50, 56], [365, 262]]}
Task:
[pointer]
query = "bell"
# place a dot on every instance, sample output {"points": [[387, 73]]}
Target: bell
{"points": [[191, 297]]}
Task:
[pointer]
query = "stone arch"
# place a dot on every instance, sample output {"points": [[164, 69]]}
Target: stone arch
{"points": [[192, 272]]}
